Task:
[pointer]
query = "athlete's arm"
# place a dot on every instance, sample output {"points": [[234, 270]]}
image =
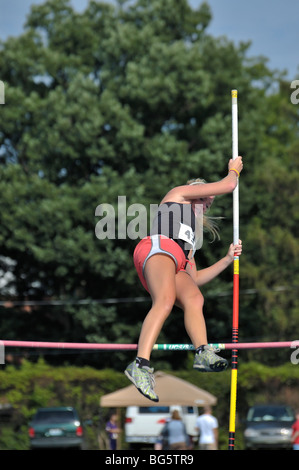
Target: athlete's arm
{"points": [[187, 193], [203, 276]]}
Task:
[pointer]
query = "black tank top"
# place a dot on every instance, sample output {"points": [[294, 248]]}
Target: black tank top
{"points": [[176, 221]]}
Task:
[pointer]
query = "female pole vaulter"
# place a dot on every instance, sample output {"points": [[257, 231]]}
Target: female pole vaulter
{"points": [[166, 268]]}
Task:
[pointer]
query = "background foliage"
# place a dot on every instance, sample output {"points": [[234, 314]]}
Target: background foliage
{"points": [[37, 385], [130, 100]]}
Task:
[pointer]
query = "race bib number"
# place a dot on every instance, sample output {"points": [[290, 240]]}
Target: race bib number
{"points": [[187, 235]]}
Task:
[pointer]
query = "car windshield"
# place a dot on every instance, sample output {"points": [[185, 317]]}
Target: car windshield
{"points": [[270, 413], [63, 416]]}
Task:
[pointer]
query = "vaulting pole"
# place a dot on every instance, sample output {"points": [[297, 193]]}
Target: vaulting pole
{"points": [[235, 323]]}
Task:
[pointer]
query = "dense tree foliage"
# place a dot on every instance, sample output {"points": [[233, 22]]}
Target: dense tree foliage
{"points": [[130, 100]]}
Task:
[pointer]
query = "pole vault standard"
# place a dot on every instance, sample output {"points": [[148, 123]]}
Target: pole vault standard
{"points": [[235, 324], [157, 347]]}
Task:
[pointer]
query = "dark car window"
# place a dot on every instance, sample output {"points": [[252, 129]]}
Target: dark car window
{"points": [[153, 409], [268, 413], [64, 416]]}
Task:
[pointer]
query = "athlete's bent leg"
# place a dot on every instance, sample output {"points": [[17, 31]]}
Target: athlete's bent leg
{"points": [[160, 277], [159, 274], [191, 300]]}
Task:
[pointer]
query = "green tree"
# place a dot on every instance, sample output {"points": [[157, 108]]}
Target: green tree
{"points": [[272, 234], [130, 100]]}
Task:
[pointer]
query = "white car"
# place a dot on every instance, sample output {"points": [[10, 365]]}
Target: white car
{"points": [[143, 424]]}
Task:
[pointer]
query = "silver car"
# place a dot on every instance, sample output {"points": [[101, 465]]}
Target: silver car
{"points": [[269, 427]]}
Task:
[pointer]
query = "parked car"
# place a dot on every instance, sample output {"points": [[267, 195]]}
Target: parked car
{"points": [[143, 424], [269, 427], [56, 428]]}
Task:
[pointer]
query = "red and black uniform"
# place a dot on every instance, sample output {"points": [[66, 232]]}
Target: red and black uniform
{"points": [[172, 234]]}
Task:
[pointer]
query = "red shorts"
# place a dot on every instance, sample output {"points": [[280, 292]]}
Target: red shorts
{"points": [[155, 245]]}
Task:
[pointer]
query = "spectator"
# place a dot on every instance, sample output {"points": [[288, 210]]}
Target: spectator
{"points": [[174, 433], [207, 426], [113, 431], [295, 435]]}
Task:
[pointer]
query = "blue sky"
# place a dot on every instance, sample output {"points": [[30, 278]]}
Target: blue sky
{"points": [[271, 26]]}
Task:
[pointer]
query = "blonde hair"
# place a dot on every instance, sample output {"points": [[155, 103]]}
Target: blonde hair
{"points": [[209, 223], [175, 415]]}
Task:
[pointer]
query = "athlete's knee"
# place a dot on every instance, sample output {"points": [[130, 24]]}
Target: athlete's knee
{"points": [[199, 299], [195, 300], [164, 304]]}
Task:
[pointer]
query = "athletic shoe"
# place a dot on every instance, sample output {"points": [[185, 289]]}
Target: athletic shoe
{"points": [[143, 380], [208, 361]]}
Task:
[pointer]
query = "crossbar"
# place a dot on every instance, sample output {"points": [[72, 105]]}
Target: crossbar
{"points": [[159, 347]]}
